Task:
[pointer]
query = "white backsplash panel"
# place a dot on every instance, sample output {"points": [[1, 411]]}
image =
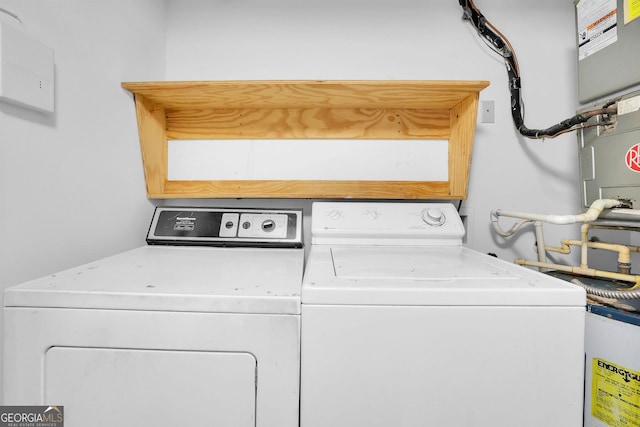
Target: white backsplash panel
{"points": [[291, 159]]}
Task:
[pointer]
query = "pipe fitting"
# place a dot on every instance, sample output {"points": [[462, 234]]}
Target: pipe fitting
{"points": [[624, 268]]}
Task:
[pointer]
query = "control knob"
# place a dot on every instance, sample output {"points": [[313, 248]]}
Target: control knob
{"points": [[268, 225], [433, 216]]}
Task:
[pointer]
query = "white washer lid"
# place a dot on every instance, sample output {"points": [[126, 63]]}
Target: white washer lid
{"points": [[167, 278], [425, 276]]}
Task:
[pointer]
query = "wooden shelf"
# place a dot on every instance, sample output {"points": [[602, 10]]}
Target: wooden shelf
{"points": [[303, 110]]}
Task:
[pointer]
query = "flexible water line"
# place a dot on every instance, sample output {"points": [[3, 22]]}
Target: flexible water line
{"points": [[509, 232], [631, 294]]}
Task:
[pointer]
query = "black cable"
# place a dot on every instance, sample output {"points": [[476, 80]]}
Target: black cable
{"points": [[11, 14], [501, 46]]}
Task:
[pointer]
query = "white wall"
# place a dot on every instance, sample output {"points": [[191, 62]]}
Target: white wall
{"points": [[71, 183], [411, 39]]}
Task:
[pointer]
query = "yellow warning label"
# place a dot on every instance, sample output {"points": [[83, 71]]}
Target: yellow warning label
{"points": [[615, 394]]}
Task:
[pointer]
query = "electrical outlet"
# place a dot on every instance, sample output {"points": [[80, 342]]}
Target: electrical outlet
{"points": [[487, 114]]}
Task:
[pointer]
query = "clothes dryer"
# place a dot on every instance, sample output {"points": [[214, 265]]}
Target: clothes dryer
{"points": [[404, 326], [175, 333]]}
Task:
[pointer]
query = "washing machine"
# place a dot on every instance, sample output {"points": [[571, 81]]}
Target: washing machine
{"points": [[199, 327], [404, 326]]}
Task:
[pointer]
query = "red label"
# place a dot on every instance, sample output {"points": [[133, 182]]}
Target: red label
{"points": [[632, 158]]}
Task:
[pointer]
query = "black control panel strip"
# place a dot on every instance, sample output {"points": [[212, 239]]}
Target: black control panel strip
{"points": [[226, 227]]}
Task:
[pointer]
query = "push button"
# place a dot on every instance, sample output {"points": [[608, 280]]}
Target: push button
{"points": [[229, 224]]}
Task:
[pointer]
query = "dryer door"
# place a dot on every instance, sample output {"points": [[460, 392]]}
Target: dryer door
{"points": [[163, 388]]}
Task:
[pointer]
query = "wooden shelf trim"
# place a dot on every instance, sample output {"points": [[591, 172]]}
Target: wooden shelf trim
{"points": [[306, 110]]}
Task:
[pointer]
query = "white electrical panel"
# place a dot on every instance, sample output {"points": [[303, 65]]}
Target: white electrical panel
{"points": [[26, 70]]}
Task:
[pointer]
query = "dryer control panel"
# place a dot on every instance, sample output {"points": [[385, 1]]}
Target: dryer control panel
{"points": [[226, 227]]}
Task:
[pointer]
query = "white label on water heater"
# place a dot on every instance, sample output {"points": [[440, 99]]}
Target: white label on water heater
{"points": [[597, 26], [629, 105]]}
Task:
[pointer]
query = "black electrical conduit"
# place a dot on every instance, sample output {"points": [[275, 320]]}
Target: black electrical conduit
{"points": [[499, 44]]}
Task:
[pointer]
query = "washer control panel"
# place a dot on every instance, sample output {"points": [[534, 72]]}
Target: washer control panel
{"points": [[226, 227], [386, 223]]}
